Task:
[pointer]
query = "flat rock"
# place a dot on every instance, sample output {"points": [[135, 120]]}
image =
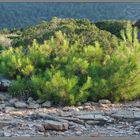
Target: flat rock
{"points": [[71, 119], [96, 117], [47, 104], [70, 109], [5, 123], [90, 122], [13, 100], [104, 101], [87, 104], [55, 125], [9, 109], [1, 133], [20, 104], [33, 105], [40, 127], [125, 114], [2, 97]]}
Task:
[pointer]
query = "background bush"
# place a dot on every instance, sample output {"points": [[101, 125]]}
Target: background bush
{"points": [[76, 30], [114, 26]]}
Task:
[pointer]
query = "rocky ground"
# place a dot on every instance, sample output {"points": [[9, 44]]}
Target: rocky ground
{"points": [[36, 118]]}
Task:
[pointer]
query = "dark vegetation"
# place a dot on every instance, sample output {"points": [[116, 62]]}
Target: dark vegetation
{"points": [[73, 60]]}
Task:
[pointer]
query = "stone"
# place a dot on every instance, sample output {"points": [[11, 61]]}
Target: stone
{"points": [[39, 101], [40, 128], [30, 99], [4, 84], [137, 128], [2, 97], [4, 123], [33, 105], [127, 115], [87, 108], [17, 113], [79, 103], [13, 100], [20, 104], [9, 109], [2, 106], [55, 125], [90, 122], [78, 133], [136, 115], [136, 104], [1, 134], [72, 119], [86, 117], [47, 104], [7, 134], [104, 101], [80, 107], [70, 109], [87, 104], [100, 117], [136, 123], [94, 134], [66, 114], [94, 103]]}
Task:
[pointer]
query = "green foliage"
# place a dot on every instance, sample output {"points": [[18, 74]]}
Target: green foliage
{"points": [[69, 61], [114, 26], [68, 73], [137, 24], [80, 30]]}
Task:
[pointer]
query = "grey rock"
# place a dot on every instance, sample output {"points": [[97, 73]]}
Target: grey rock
{"points": [[104, 101], [1, 134], [78, 133], [9, 109], [80, 107], [76, 120], [127, 115], [40, 127], [20, 104], [136, 123], [4, 84], [30, 99], [4, 123], [13, 100], [90, 122], [39, 101], [55, 125], [96, 117], [2, 106], [79, 103], [89, 112], [7, 134], [86, 117], [136, 115], [2, 97], [33, 105], [47, 104], [70, 109], [94, 134], [87, 104]]}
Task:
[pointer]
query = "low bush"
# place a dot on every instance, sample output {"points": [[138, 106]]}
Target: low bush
{"points": [[69, 73]]}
